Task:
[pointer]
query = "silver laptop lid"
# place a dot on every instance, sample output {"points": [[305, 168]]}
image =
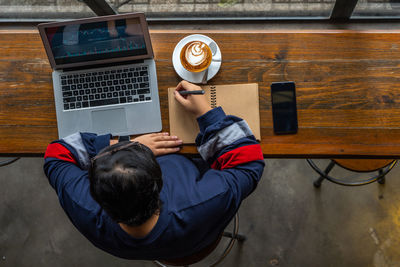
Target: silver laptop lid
{"points": [[98, 40]]}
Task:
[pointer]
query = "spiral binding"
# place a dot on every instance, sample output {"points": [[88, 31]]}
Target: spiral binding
{"points": [[213, 96]]}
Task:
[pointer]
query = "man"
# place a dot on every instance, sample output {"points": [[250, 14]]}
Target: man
{"points": [[136, 206]]}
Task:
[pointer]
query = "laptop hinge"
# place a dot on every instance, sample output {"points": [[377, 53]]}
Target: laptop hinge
{"points": [[104, 65]]}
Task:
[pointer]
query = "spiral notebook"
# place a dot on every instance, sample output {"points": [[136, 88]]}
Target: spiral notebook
{"points": [[237, 99]]}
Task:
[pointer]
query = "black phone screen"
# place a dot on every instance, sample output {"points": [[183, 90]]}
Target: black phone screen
{"points": [[284, 111]]}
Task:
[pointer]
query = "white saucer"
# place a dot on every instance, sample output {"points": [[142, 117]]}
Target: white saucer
{"points": [[195, 77]]}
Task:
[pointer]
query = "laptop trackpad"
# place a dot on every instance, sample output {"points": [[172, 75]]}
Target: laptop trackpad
{"points": [[109, 121]]}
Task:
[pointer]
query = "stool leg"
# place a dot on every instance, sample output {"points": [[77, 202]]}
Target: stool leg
{"points": [[317, 183], [238, 237], [241, 238], [159, 264], [382, 179]]}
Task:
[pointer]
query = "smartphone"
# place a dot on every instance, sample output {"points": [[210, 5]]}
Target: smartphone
{"points": [[284, 110]]}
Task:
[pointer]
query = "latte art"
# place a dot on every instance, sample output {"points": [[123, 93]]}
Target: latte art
{"points": [[196, 56], [196, 53]]}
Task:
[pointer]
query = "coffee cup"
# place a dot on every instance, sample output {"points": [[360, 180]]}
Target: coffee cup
{"points": [[196, 56]]}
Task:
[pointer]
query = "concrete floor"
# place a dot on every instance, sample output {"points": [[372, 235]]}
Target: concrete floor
{"points": [[287, 221]]}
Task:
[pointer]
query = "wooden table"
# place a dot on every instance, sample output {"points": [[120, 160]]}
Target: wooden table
{"points": [[348, 89]]}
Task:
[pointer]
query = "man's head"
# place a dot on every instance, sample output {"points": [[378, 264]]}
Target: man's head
{"points": [[125, 179]]}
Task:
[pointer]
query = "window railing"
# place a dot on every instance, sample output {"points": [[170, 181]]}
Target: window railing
{"points": [[42, 10]]}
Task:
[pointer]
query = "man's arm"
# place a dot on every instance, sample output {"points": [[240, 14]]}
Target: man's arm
{"points": [[226, 143], [69, 157]]}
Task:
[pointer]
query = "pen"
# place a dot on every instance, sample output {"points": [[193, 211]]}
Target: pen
{"points": [[196, 92]]}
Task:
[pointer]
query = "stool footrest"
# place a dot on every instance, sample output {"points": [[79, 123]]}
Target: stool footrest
{"points": [[324, 175]]}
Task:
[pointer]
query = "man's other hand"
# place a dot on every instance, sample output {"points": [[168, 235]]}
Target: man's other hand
{"points": [[197, 104], [160, 143]]}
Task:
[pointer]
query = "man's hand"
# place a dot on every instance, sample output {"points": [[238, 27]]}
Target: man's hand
{"points": [[197, 104], [160, 143]]}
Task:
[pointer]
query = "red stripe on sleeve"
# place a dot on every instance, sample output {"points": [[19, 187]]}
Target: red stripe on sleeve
{"points": [[59, 151], [238, 156]]}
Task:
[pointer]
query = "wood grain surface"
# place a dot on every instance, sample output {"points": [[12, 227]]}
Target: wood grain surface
{"points": [[348, 89]]}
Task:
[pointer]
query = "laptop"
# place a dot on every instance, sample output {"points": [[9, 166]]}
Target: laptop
{"points": [[104, 75]]}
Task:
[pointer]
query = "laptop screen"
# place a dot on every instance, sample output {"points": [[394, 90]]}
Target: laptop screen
{"points": [[101, 40]]}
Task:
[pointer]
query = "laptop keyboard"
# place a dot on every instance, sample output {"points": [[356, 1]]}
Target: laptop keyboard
{"points": [[102, 88]]}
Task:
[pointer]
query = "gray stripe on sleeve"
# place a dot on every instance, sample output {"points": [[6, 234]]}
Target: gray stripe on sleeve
{"points": [[223, 138], [75, 140]]}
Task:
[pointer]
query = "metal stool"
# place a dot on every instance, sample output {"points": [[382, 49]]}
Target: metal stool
{"points": [[192, 259], [383, 166], [8, 161]]}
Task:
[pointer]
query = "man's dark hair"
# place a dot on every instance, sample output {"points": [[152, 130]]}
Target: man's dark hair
{"points": [[125, 179]]}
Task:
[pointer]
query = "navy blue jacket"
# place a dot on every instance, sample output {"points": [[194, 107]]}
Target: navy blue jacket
{"points": [[197, 203]]}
